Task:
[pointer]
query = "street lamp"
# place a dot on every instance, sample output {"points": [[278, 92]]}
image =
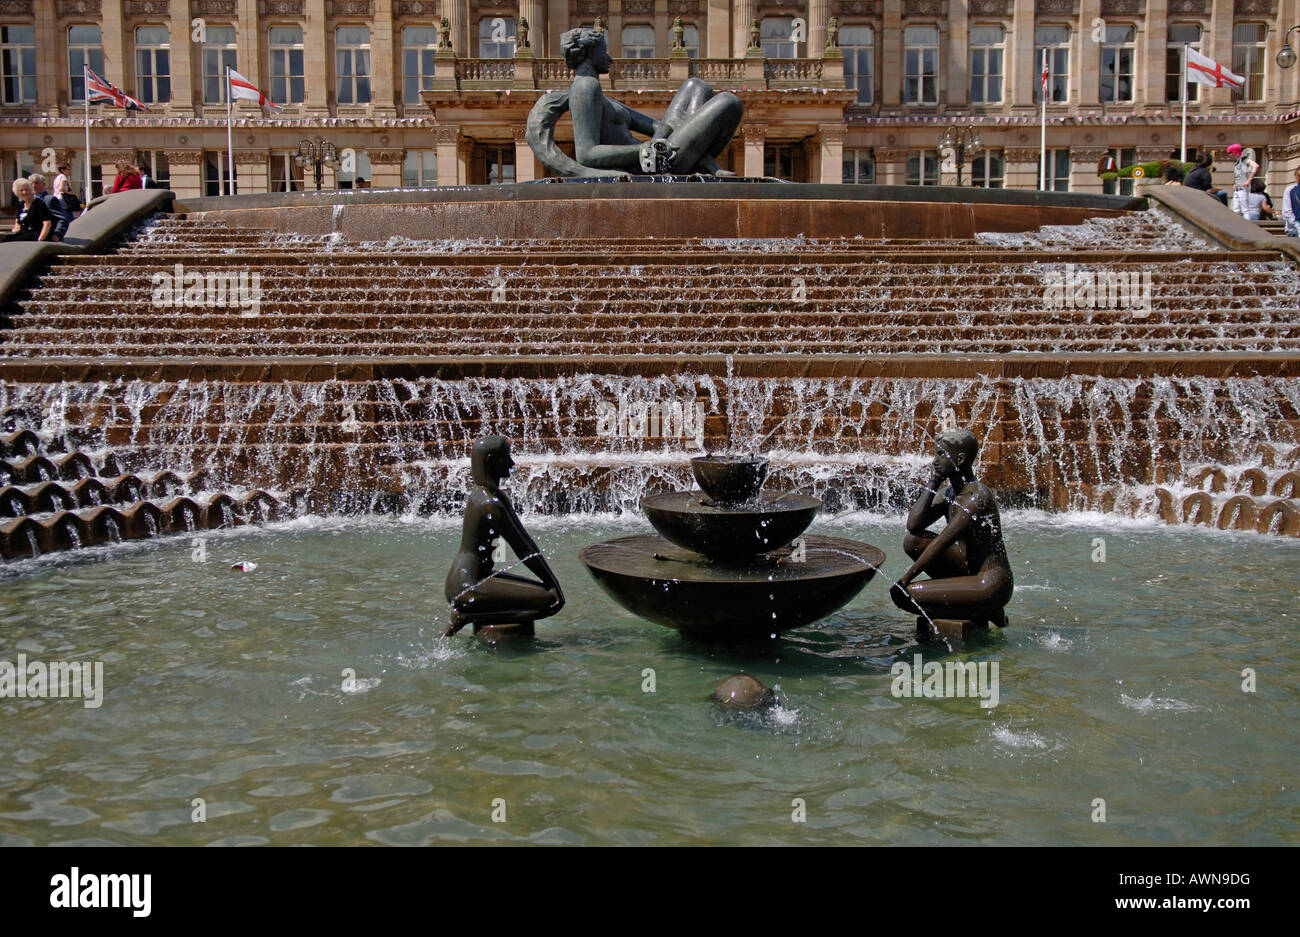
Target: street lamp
{"points": [[1286, 55], [963, 141], [319, 154]]}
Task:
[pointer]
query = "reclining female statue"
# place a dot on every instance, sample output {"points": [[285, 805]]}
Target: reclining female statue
{"points": [[477, 595], [694, 131]]}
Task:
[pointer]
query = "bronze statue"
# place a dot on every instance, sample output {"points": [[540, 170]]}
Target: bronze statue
{"points": [[970, 575], [479, 596], [695, 129]]}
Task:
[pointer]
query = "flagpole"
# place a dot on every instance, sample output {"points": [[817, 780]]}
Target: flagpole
{"points": [[1182, 155], [1042, 144], [85, 87], [230, 137]]}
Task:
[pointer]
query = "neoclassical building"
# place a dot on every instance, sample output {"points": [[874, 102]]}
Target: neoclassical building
{"points": [[835, 90]]}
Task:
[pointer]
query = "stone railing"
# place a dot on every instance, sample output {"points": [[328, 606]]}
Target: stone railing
{"points": [[485, 74], [718, 70], [782, 73]]}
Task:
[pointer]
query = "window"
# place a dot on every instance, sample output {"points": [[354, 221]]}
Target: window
{"points": [[15, 165], [85, 48], [1055, 41], [774, 36], [359, 178], [500, 164], [921, 65], [691, 40], [1125, 156], [923, 167], [288, 75], [352, 64], [418, 45], [1180, 35], [986, 170], [419, 168], [286, 175], [859, 167], [858, 45], [986, 54], [18, 64], [215, 177], [1248, 60], [218, 52], [153, 83], [1058, 170], [496, 37], [155, 165], [778, 161], [1118, 52], [638, 42]]}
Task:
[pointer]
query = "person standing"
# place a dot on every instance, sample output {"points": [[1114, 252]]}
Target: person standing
{"points": [[1291, 207], [1243, 174], [34, 221], [68, 202], [61, 219], [64, 170]]}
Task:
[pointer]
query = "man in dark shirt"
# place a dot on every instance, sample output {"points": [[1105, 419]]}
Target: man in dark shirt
{"points": [[1199, 177], [57, 211]]}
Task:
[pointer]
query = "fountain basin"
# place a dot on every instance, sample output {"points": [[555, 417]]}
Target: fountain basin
{"points": [[729, 479], [730, 533], [659, 581]]}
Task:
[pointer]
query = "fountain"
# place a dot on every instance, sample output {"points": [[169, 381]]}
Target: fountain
{"points": [[729, 563]]}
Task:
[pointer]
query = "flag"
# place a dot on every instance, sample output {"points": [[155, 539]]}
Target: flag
{"points": [[241, 87], [1044, 77], [1205, 71], [97, 89]]}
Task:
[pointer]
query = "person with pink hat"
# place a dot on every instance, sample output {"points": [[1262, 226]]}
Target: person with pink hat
{"points": [[1243, 173]]}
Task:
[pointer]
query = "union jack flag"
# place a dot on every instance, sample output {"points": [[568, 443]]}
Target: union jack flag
{"points": [[97, 89]]}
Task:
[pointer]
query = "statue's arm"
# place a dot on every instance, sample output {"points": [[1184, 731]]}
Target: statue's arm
{"points": [[525, 547], [929, 506], [587, 108], [645, 124], [957, 527]]}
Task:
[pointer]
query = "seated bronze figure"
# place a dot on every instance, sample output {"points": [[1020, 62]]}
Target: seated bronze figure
{"points": [[970, 575], [695, 129], [477, 595]]}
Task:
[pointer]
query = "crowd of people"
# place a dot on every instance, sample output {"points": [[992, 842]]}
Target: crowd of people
{"points": [[1249, 197], [45, 213]]}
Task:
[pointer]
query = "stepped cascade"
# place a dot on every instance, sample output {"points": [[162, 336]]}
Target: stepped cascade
{"points": [[1120, 364]]}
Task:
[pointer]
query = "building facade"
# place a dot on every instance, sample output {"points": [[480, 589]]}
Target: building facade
{"points": [[835, 90]]}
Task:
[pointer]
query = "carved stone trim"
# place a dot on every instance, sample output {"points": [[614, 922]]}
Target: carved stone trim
{"points": [[281, 7], [754, 133], [683, 7], [1123, 7], [1190, 7], [148, 8], [1288, 151], [1020, 154], [638, 7], [214, 7], [1254, 6], [385, 157], [520, 135], [446, 134], [16, 7], [416, 8], [1146, 154], [112, 157], [990, 7], [78, 7], [336, 8], [252, 157], [593, 8], [1087, 154], [922, 7], [184, 157], [891, 155], [831, 133], [1061, 7], [857, 8]]}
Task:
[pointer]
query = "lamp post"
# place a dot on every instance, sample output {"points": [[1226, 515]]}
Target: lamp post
{"points": [[317, 153], [1286, 55], [963, 141]]}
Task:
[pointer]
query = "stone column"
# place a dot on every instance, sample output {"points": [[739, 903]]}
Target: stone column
{"points": [[50, 48], [715, 34], [383, 60], [182, 60], [457, 13], [819, 14], [252, 171], [248, 39], [116, 58], [831, 138], [955, 61], [186, 168], [1085, 76], [1020, 167], [891, 166], [1083, 168], [445, 142], [746, 10], [1023, 70], [1216, 42], [319, 72], [525, 167], [535, 12], [755, 140], [1150, 93], [891, 53], [464, 159], [385, 168], [557, 23]]}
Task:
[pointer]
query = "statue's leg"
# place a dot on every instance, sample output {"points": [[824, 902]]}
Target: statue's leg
{"points": [[983, 595], [950, 562], [505, 593], [706, 133], [689, 97]]}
